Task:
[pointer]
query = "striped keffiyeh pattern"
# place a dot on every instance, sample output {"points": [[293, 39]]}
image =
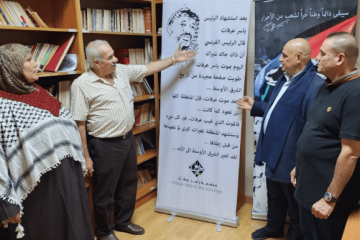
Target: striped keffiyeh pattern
{"points": [[33, 142]]}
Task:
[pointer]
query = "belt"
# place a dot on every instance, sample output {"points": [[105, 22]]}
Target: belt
{"points": [[126, 135], [89, 137]]}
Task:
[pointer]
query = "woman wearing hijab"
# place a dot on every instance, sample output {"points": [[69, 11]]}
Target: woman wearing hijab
{"points": [[42, 189]]}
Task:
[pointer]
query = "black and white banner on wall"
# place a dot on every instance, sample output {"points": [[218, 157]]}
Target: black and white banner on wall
{"points": [[200, 124]]}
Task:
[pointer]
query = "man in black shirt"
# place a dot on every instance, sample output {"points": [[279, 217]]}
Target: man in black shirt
{"points": [[327, 175]]}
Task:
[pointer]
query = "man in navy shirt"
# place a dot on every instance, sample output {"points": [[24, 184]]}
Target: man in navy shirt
{"points": [[284, 117], [327, 175]]}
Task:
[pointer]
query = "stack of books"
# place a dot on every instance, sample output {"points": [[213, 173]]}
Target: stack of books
{"points": [[143, 177], [135, 56], [144, 114], [61, 91], [125, 20], [140, 150], [142, 142], [13, 14], [141, 88], [50, 56]]}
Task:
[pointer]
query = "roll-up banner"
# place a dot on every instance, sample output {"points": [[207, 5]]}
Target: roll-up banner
{"points": [[200, 123]]}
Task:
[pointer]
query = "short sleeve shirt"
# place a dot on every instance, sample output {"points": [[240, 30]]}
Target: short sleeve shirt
{"points": [[335, 114], [107, 109]]}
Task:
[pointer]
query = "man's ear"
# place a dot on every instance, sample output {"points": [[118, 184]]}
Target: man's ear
{"points": [[298, 58], [96, 62], [340, 58]]}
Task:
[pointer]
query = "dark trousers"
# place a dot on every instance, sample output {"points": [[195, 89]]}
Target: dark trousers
{"points": [[115, 176], [281, 201], [327, 229]]}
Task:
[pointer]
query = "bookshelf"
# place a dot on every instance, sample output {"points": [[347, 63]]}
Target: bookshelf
{"points": [[63, 19]]}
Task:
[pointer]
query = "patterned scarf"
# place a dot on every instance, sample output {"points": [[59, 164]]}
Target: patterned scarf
{"points": [[12, 59]]}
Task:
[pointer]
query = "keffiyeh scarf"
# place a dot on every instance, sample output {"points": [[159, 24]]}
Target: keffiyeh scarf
{"points": [[33, 141]]}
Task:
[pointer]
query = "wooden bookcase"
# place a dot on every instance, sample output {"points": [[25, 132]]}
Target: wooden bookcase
{"points": [[64, 18]]}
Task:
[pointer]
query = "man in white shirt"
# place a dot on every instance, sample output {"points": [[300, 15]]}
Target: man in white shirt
{"points": [[102, 106]]}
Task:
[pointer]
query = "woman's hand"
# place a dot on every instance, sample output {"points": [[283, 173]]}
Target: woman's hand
{"points": [[89, 166], [14, 219]]}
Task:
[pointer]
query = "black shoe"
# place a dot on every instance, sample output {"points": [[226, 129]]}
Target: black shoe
{"points": [[264, 233], [111, 236], [132, 229]]}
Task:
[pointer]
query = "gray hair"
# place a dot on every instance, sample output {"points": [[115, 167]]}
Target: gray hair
{"points": [[92, 51]]}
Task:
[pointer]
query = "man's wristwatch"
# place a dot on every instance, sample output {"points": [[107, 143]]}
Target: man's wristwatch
{"points": [[329, 197]]}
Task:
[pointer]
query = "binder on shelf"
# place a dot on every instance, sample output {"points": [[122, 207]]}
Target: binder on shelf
{"points": [[122, 55], [56, 60]]}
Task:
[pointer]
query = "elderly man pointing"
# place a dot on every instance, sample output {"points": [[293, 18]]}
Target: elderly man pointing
{"points": [[102, 105]]}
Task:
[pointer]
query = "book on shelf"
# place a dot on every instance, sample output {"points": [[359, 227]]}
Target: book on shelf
{"points": [[146, 140], [127, 20], [141, 88], [39, 20], [148, 51], [139, 56], [24, 17], [6, 14], [64, 94], [13, 14], [145, 115], [59, 55], [42, 53], [147, 19], [61, 91], [48, 57], [139, 146], [123, 55], [143, 177]]}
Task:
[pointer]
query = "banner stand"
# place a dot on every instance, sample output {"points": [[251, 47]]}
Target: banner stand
{"points": [[258, 216], [200, 123], [196, 216]]}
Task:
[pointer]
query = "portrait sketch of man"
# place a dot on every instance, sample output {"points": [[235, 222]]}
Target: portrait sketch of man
{"points": [[183, 26]]}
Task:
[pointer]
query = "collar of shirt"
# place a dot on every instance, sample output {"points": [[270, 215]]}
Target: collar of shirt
{"points": [[290, 79], [93, 77], [346, 78]]}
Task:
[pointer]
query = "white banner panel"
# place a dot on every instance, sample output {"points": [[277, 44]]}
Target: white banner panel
{"points": [[200, 124]]}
